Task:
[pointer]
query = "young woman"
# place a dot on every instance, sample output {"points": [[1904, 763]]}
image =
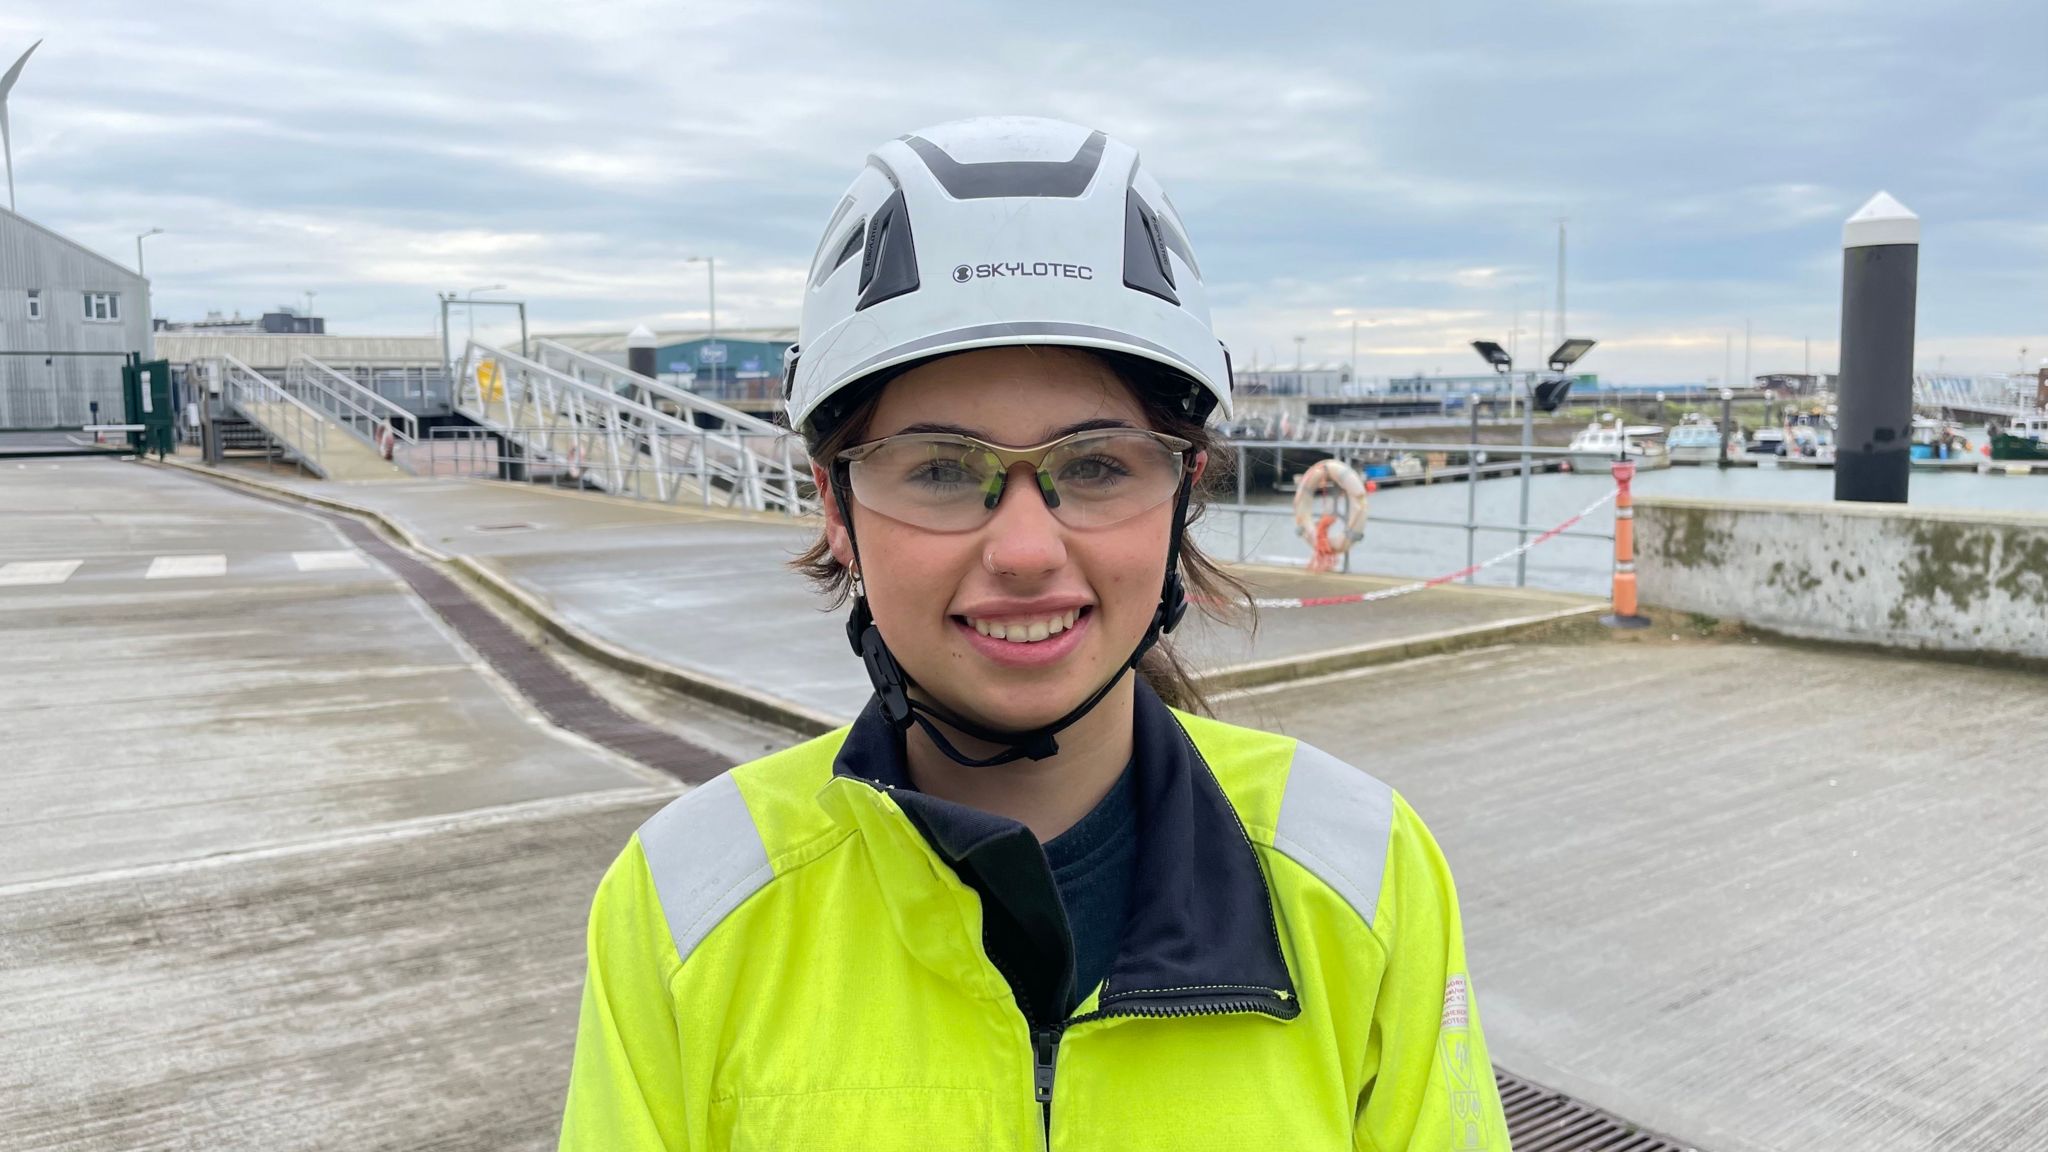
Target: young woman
{"points": [[1025, 900]]}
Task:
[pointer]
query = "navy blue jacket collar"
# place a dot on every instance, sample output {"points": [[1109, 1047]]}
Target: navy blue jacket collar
{"points": [[1201, 936]]}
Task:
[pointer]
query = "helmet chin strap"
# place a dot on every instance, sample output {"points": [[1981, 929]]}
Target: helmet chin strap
{"points": [[892, 684]]}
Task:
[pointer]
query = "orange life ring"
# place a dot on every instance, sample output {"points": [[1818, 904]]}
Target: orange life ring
{"points": [[1315, 528]]}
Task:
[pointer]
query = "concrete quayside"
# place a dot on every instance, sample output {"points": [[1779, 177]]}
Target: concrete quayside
{"points": [[300, 852]]}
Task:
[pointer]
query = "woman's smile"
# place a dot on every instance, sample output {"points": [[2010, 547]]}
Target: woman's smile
{"points": [[1026, 642]]}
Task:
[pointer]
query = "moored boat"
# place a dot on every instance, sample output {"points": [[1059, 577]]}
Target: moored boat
{"points": [[1598, 446], [2024, 439], [1697, 440]]}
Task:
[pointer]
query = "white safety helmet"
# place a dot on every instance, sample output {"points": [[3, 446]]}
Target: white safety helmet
{"points": [[998, 231]]}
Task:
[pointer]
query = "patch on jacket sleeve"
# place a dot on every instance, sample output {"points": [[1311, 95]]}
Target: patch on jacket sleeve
{"points": [[1462, 1073]]}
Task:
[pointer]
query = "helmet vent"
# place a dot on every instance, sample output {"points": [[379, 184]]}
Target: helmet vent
{"points": [[1145, 264], [1062, 179], [889, 268], [856, 239]]}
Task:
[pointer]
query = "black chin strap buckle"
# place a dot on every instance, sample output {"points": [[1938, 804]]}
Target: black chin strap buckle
{"points": [[892, 687], [1173, 603]]}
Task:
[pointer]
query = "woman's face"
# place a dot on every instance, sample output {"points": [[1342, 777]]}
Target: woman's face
{"points": [[936, 594]]}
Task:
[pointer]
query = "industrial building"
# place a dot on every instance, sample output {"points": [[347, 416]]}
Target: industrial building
{"points": [[68, 316], [403, 369], [283, 320]]}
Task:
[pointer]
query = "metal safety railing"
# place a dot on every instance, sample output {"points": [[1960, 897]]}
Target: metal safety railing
{"points": [[776, 476], [289, 421], [1405, 462], [1996, 395], [383, 425], [491, 454], [629, 435]]}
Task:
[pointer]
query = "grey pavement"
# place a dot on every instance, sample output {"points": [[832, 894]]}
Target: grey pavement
{"points": [[283, 867], [711, 593], [1759, 897], [281, 864]]}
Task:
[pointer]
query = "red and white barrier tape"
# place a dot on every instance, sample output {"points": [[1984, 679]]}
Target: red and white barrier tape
{"points": [[1446, 578]]}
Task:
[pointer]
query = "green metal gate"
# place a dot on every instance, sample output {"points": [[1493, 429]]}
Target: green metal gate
{"points": [[146, 393]]}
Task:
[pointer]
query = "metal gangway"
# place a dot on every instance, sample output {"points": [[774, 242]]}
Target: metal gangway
{"points": [[326, 422], [372, 418], [571, 413], [1995, 397]]}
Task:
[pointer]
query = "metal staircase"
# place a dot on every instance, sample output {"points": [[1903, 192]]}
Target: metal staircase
{"points": [[631, 435]]}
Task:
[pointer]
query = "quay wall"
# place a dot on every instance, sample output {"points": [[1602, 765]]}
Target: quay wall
{"points": [[1955, 580]]}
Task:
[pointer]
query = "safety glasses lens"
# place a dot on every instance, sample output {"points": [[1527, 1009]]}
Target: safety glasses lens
{"points": [[949, 483]]}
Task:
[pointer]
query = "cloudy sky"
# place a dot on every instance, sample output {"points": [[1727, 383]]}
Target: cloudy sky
{"points": [[1402, 167]]}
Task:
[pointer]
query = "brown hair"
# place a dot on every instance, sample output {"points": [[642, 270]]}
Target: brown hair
{"points": [[1212, 590]]}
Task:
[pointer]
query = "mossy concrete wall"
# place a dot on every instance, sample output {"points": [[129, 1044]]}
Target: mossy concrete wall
{"points": [[1896, 575]]}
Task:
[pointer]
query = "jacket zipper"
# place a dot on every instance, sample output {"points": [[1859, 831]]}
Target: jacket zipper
{"points": [[1045, 1051]]}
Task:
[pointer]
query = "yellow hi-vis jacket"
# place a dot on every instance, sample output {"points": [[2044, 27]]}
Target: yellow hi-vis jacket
{"points": [[807, 954]]}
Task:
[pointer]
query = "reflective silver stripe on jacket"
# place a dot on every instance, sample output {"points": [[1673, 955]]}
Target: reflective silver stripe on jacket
{"points": [[1336, 821], [706, 857]]}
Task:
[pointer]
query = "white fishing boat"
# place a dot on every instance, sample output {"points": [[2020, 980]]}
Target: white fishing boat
{"points": [[1697, 440], [1598, 446]]}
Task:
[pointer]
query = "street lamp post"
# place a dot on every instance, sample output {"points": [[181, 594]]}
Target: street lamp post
{"points": [[1503, 363], [711, 284], [139, 238]]}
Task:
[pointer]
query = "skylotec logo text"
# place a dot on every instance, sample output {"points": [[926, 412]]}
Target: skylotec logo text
{"points": [[965, 272]]}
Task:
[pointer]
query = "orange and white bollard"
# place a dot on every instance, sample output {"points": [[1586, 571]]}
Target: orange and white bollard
{"points": [[1624, 614]]}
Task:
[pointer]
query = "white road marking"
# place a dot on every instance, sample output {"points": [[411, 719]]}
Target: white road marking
{"points": [[185, 567], [328, 561], [497, 815], [38, 571]]}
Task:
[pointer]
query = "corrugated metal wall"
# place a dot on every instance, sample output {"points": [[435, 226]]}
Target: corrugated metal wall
{"points": [[56, 391]]}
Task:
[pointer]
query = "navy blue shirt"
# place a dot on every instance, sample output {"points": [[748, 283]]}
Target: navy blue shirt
{"points": [[1093, 864]]}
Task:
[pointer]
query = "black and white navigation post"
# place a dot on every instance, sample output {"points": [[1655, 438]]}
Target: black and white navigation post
{"points": [[1880, 281]]}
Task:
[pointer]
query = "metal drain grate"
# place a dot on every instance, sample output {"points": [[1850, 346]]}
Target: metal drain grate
{"points": [[1541, 1120]]}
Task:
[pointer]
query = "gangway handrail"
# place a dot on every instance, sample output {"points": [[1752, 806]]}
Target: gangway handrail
{"points": [[237, 377], [597, 418], [680, 396], [366, 402]]}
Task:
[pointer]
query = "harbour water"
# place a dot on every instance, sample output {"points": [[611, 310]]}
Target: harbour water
{"points": [[1566, 563]]}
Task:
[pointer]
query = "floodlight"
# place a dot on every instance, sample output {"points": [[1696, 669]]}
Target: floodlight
{"points": [[1568, 354], [1494, 354], [1550, 394]]}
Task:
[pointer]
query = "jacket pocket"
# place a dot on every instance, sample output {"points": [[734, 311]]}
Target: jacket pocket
{"points": [[888, 1119]]}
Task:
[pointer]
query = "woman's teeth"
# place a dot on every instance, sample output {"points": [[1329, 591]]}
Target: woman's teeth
{"points": [[1026, 631]]}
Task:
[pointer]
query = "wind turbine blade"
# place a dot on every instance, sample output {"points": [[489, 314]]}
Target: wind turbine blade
{"points": [[7, 81]]}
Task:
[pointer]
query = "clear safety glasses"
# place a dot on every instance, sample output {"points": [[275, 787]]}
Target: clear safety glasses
{"points": [[949, 483]]}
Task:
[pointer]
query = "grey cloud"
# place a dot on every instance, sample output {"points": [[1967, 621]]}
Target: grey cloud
{"points": [[1327, 156]]}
